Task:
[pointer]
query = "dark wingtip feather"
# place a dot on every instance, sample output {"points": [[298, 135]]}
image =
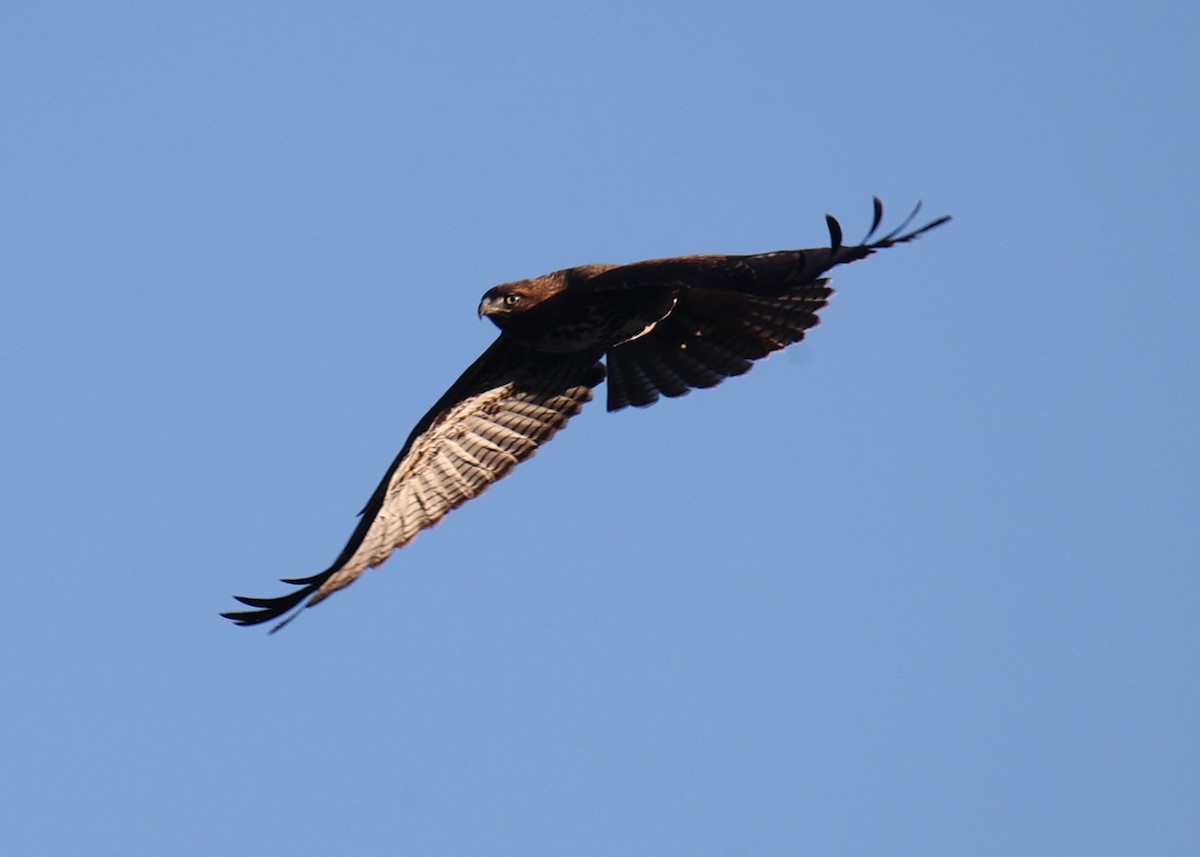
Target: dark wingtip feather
{"points": [[248, 617], [876, 219], [898, 235], [841, 254], [835, 233], [257, 617], [268, 609], [891, 238], [314, 580], [261, 603], [934, 224]]}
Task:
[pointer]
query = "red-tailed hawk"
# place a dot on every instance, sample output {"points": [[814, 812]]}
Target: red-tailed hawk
{"points": [[655, 328]]}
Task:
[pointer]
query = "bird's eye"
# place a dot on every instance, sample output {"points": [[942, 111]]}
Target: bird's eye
{"points": [[511, 300]]}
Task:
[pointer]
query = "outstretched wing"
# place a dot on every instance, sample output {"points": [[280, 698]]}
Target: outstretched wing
{"points": [[508, 403], [729, 311], [710, 336]]}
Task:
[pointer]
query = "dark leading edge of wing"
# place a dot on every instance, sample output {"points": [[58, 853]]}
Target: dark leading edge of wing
{"points": [[496, 415]]}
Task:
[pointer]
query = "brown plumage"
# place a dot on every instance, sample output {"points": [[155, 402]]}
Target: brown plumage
{"points": [[663, 327]]}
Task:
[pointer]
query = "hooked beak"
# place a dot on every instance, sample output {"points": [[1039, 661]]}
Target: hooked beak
{"points": [[490, 305]]}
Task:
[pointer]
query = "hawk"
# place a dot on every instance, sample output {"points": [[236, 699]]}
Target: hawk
{"points": [[656, 328]]}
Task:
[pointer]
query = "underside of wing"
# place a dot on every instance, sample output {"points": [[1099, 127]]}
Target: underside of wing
{"points": [[709, 337], [496, 415], [730, 310]]}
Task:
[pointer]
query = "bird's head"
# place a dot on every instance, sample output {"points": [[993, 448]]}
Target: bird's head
{"points": [[509, 299], [506, 299]]}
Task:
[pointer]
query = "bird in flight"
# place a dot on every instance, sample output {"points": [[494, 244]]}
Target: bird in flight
{"points": [[656, 328]]}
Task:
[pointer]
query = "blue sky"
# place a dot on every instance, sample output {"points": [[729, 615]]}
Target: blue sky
{"points": [[925, 584]]}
